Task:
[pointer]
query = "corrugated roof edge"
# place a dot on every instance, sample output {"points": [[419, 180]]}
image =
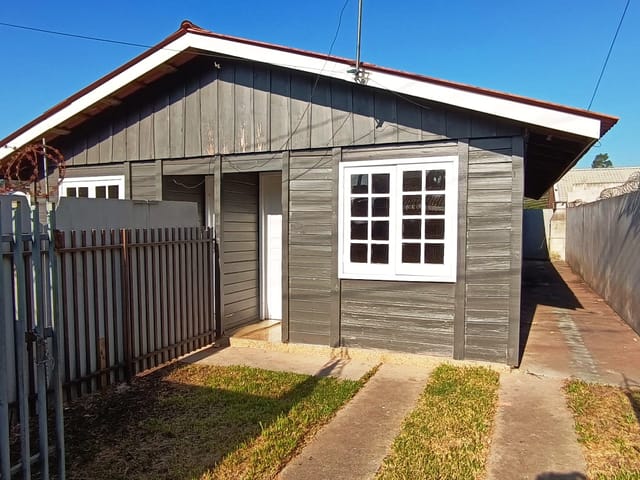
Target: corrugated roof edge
{"points": [[607, 121]]}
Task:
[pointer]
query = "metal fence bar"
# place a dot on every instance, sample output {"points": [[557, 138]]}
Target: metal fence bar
{"points": [[40, 333], [5, 460], [57, 351], [20, 346]]}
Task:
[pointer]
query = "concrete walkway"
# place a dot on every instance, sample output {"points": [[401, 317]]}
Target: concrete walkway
{"points": [[534, 436], [357, 440], [308, 364]]}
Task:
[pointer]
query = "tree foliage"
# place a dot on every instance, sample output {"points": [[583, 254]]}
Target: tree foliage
{"points": [[601, 161]]}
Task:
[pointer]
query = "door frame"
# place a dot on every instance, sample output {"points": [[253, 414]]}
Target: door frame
{"points": [[263, 240]]}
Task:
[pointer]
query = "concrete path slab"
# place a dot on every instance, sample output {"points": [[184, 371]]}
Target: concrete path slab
{"points": [[534, 436], [354, 444], [570, 331], [301, 362]]}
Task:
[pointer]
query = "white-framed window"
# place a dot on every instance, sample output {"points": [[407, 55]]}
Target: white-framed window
{"points": [[398, 219], [93, 187]]}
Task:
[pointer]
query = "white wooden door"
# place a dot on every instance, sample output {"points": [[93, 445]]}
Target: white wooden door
{"points": [[271, 245]]}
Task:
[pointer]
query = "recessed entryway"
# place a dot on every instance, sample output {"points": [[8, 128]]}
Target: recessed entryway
{"points": [[271, 245]]}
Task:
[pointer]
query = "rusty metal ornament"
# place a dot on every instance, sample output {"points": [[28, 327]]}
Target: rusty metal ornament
{"points": [[25, 170]]}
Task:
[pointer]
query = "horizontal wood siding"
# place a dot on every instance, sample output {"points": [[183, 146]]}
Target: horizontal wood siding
{"points": [[488, 255], [146, 181], [240, 249], [311, 253], [242, 107], [406, 316]]}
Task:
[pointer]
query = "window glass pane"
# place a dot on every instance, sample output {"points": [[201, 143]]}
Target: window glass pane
{"points": [[411, 228], [359, 252], [71, 192], [360, 183], [101, 191], [435, 205], [435, 180], [379, 253], [434, 229], [380, 207], [412, 181], [380, 230], [83, 192], [411, 253], [359, 207], [359, 229], [434, 253], [114, 191], [412, 204], [380, 183]]}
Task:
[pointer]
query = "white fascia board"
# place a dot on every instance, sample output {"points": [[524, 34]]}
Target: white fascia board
{"points": [[510, 109]]}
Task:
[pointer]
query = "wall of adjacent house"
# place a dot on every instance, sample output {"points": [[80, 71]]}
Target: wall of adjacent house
{"points": [[602, 247]]}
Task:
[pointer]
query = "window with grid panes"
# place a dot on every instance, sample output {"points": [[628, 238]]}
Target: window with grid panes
{"points": [[93, 187], [398, 219]]}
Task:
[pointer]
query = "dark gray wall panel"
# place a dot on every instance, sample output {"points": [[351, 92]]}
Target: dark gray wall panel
{"points": [[405, 316], [146, 181], [313, 299], [488, 249], [240, 249]]}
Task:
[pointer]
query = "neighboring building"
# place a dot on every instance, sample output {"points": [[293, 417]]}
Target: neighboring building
{"points": [[379, 210], [584, 185]]}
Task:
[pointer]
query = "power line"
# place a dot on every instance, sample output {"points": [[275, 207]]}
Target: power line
{"points": [[74, 35], [606, 60]]}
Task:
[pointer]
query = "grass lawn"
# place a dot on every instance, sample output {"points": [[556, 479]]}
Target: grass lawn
{"points": [[202, 422], [447, 435], [608, 426]]}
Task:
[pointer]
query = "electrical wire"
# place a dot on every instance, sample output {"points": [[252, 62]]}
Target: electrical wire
{"points": [[606, 60]]}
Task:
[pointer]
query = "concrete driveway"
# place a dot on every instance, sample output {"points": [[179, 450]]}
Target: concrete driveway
{"points": [[568, 330]]}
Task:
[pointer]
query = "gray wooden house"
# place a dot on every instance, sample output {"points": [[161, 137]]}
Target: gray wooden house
{"points": [[377, 208]]}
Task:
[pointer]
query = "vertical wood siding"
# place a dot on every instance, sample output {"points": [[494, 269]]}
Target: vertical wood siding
{"points": [[240, 107], [488, 262], [312, 253], [240, 244]]}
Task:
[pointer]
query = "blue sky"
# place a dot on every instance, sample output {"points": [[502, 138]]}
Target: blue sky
{"points": [[547, 49]]}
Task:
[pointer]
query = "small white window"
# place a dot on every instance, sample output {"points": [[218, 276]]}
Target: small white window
{"points": [[398, 219], [93, 187]]}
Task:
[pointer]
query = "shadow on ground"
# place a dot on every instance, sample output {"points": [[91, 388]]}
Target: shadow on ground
{"points": [[561, 476], [173, 424], [542, 285]]}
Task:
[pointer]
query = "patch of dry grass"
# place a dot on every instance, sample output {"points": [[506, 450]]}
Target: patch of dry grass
{"points": [[195, 421], [447, 435], [607, 421]]}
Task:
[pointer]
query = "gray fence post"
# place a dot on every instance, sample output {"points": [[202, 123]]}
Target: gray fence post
{"points": [[20, 345]]}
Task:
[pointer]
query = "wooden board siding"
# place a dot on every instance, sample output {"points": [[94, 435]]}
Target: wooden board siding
{"points": [[312, 252], [240, 250], [146, 181], [241, 107], [488, 249], [406, 316]]}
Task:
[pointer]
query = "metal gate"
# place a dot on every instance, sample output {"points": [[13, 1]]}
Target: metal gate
{"points": [[30, 382]]}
